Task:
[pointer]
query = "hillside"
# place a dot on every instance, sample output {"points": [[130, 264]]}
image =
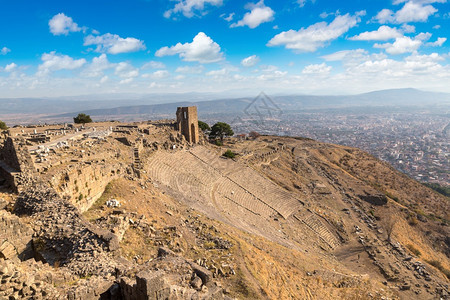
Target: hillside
{"points": [[288, 218]]}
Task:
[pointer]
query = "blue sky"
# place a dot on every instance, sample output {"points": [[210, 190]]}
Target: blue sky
{"points": [[63, 48]]}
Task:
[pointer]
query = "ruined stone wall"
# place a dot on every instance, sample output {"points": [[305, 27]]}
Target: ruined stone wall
{"points": [[8, 154], [16, 155], [15, 237], [84, 184]]}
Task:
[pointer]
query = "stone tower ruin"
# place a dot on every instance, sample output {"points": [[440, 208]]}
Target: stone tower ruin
{"points": [[187, 123]]}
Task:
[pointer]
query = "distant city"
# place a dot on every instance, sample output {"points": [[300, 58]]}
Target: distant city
{"points": [[415, 141]]}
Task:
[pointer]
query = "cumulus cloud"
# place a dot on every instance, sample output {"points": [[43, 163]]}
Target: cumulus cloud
{"points": [[412, 11], [250, 61], [157, 74], [317, 35], [126, 70], [438, 43], [202, 49], [190, 70], [153, 65], [114, 44], [404, 44], [4, 51], [55, 62], [189, 7], [259, 13], [317, 69], [126, 80], [10, 67], [98, 66], [345, 54], [383, 33], [62, 24], [220, 72]]}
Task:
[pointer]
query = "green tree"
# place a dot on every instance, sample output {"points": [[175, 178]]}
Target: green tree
{"points": [[3, 125], [82, 119], [203, 126], [220, 130]]}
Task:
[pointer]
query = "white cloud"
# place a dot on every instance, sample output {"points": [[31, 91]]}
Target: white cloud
{"points": [[62, 24], [202, 49], [385, 16], [126, 70], [259, 13], [4, 51], [220, 72], [54, 62], [436, 26], [153, 65], [404, 44], [190, 70], [438, 43], [302, 3], [126, 81], [408, 28], [317, 35], [97, 66], [189, 7], [10, 67], [317, 69], [229, 18], [114, 44], [383, 33], [272, 76], [104, 79], [250, 61], [419, 1], [412, 11], [157, 74]]}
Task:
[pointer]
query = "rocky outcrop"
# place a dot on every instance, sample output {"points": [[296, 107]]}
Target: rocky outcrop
{"points": [[170, 277], [63, 237]]}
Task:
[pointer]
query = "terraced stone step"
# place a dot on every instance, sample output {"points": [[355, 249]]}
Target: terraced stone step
{"points": [[316, 225]]}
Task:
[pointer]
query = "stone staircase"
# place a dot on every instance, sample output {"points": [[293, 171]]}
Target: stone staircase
{"points": [[315, 224], [137, 164]]}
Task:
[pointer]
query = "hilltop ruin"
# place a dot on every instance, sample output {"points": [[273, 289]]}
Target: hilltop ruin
{"points": [[151, 210]]}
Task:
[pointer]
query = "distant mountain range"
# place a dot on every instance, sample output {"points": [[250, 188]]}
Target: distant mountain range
{"points": [[164, 105]]}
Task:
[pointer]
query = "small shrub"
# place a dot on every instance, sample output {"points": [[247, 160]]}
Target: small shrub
{"points": [[435, 263], [210, 245], [438, 265], [80, 197], [3, 126], [413, 250], [393, 197], [218, 143], [229, 154], [412, 221]]}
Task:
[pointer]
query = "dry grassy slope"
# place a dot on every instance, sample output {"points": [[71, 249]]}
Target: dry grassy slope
{"points": [[348, 170]]}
